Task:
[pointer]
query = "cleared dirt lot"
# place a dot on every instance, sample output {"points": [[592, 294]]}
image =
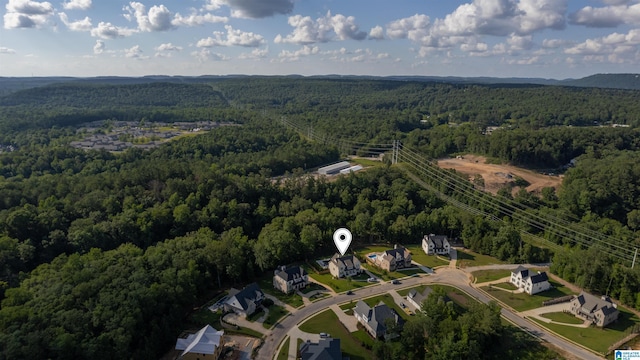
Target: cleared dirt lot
{"points": [[497, 176]]}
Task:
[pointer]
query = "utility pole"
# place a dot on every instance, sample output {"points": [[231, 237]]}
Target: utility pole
{"points": [[634, 258]]}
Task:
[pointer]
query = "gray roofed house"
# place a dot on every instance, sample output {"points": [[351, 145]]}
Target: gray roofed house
{"points": [[245, 301], [290, 279], [436, 244], [416, 298], [325, 349], [373, 318], [599, 310], [341, 266]]}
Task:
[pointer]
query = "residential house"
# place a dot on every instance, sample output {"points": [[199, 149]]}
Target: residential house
{"points": [[291, 279], [390, 260], [245, 301], [416, 298], [374, 319], [601, 311], [205, 344], [436, 245], [325, 349], [531, 283], [345, 266]]}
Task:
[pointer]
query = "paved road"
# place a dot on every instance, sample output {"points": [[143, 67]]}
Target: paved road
{"points": [[445, 275]]}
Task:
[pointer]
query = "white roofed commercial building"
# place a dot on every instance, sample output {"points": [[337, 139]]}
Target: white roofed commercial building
{"points": [[333, 168], [351, 169]]}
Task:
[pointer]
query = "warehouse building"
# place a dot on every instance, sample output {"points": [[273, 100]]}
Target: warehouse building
{"points": [[333, 168], [351, 169]]}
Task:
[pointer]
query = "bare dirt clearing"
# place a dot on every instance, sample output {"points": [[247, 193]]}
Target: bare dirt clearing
{"points": [[497, 176]]}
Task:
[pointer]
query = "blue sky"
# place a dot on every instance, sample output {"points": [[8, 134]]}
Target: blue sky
{"points": [[525, 38]]}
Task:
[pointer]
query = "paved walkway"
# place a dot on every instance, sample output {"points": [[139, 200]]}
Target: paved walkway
{"points": [[535, 313], [349, 321], [294, 334], [453, 254], [422, 267], [276, 301]]}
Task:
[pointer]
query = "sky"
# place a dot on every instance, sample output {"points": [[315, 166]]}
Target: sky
{"points": [[500, 38]]}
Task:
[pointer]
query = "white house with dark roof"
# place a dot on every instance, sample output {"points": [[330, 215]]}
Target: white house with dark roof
{"points": [[601, 311], [531, 283], [245, 301], [207, 343], [374, 318], [290, 279], [325, 349], [436, 245], [345, 266]]}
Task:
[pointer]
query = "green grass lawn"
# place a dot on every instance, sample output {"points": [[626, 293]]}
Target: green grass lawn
{"points": [[466, 258], [522, 301], [596, 338], [312, 287], [327, 321], [275, 313], [338, 285], [516, 344], [418, 255], [505, 285], [366, 162], [349, 305], [562, 317], [256, 315], [404, 292], [387, 276], [490, 275], [283, 354], [266, 284]]}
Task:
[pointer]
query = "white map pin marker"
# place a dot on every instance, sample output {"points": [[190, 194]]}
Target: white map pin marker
{"points": [[342, 239]]}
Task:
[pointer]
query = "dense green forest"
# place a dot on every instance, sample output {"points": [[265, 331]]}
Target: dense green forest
{"points": [[218, 209]]}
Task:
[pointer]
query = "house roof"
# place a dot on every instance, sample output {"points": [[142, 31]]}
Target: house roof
{"points": [[295, 274], [249, 294], [325, 349], [538, 278], [348, 260], [377, 315], [591, 304], [398, 252], [524, 272], [205, 341], [438, 240], [420, 297]]}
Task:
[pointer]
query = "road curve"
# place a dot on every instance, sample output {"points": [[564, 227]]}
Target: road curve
{"points": [[447, 276]]}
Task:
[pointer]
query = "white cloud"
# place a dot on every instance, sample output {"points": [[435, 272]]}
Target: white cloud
{"points": [[77, 5], [306, 50], [414, 27], [529, 60], [359, 55], [158, 18], [376, 33], [253, 9], [26, 13], [79, 25], [135, 52], [608, 16], [255, 54], [168, 47], [99, 47], [555, 43], [197, 19], [324, 29], [520, 42], [232, 37], [6, 50], [614, 48], [206, 55], [106, 30]]}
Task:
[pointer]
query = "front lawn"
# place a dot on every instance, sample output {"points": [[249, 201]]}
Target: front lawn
{"points": [[386, 275], [405, 292], [467, 258], [431, 261], [312, 287], [596, 338], [275, 313], [506, 286], [338, 285], [483, 276], [524, 301], [327, 321], [562, 317], [283, 354]]}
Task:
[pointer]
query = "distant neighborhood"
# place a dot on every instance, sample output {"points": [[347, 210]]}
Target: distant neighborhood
{"points": [[121, 135]]}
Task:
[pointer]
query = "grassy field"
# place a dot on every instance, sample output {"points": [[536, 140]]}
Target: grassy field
{"points": [[312, 287], [483, 276], [275, 313], [387, 276], [327, 321], [431, 261], [404, 292], [338, 285], [562, 317], [522, 301], [467, 258], [366, 162], [595, 338], [266, 284], [516, 344], [283, 354], [505, 285]]}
